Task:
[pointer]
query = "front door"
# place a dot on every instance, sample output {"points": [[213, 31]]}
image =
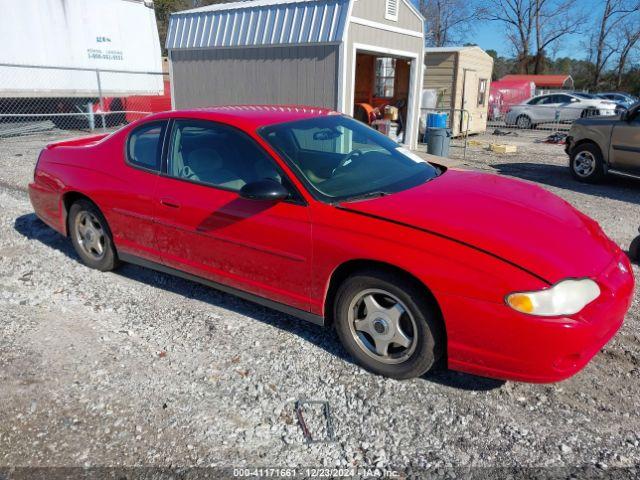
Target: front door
{"points": [[625, 144], [208, 230], [469, 99]]}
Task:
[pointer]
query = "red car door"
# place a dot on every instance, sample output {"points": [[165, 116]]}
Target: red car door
{"points": [[205, 228], [131, 200]]}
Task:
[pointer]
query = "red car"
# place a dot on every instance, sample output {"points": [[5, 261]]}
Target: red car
{"points": [[317, 215]]}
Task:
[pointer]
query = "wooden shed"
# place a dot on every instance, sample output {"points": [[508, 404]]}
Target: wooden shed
{"points": [[326, 53], [461, 77]]}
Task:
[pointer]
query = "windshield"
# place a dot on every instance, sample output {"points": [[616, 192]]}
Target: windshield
{"points": [[585, 95], [342, 159]]}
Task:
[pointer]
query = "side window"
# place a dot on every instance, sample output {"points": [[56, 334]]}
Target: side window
{"points": [[217, 155], [562, 99], [385, 81], [537, 101], [482, 92], [144, 146]]}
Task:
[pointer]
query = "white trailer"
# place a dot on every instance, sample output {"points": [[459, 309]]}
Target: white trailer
{"points": [[60, 54]]}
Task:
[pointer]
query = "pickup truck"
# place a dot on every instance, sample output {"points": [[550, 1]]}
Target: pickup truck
{"points": [[599, 146]]}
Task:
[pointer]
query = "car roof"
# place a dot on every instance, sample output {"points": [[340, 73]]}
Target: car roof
{"points": [[249, 116]]}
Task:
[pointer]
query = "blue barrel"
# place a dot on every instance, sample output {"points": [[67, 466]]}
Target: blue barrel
{"points": [[438, 141], [437, 120]]}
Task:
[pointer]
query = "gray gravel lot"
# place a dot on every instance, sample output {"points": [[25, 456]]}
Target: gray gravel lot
{"points": [[140, 368]]}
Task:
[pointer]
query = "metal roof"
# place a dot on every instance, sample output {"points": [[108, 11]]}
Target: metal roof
{"points": [[259, 23], [549, 81], [452, 49]]}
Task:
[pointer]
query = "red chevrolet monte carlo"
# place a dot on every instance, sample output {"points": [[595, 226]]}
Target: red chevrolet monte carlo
{"points": [[315, 214]]}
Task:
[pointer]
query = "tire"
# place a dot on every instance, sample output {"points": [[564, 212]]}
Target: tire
{"points": [[402, 302], [116, 119], [524, 122], [586, 163], [634, 250], [91, 236]]}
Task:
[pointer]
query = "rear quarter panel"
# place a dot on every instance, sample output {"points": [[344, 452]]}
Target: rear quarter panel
{"points": [[98, 171]]}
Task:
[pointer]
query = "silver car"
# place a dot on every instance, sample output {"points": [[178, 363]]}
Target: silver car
{"points": [[558, 107]]}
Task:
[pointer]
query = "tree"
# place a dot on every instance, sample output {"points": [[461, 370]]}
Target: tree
{"points": [[446, 21], [534, 27], [517, 17], [629, 39], [602, 48]]}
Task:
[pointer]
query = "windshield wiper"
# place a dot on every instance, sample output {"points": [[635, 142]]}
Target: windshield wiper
{"points": [[366, 196]]}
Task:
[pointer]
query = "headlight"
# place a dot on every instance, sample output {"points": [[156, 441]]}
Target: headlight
{"points": [[565, 298]]}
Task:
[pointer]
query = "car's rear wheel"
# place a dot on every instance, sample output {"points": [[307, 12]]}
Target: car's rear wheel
{"points": [[587, 164], [524, 122], [388, 324], [91, 236]]}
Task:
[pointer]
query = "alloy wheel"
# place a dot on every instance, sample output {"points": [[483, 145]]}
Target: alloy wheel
{"points": [[584, 164], [382, 326], [90, 235]]}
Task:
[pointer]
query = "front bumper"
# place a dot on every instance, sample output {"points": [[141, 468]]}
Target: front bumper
{"points": [[495, 341], [568, 145]]}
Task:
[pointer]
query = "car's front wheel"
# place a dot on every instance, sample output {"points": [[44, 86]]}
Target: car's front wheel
{"points": [[587, 164], [388, 324], [91, 236]]}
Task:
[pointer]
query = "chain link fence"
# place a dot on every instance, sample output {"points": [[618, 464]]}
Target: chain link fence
{"points": [[38, 98], [534, 120]]}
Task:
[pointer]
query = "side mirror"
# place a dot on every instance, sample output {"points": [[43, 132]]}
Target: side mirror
{"points": [[264, 190]]}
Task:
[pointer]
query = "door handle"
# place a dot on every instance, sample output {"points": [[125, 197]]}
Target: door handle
{"points": [[168, 202]]}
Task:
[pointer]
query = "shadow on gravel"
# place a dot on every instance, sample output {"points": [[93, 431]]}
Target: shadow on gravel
{"points": [[33, 228], [615, 188]]}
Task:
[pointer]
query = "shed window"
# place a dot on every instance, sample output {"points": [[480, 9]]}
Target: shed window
{"points": [[391, 10], [482, 92], [385, 77]]}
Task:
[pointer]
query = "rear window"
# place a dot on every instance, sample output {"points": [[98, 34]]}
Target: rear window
{"points": [[144, 148]]}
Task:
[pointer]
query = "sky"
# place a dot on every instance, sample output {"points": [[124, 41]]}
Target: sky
{"points": [[490, 36]]}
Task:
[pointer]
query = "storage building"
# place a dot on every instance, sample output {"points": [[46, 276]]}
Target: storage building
{"points": [[327, 53], [461, 77]]}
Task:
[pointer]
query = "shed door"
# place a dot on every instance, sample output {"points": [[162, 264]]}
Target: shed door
{"points": [[469, 98]]}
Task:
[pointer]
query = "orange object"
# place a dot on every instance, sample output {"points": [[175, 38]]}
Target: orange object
{"points": [[367, 110]]}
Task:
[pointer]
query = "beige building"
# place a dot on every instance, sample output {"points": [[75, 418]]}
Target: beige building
{"points": [[461, 77]]}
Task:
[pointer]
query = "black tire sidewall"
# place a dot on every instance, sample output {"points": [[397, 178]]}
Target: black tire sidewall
{"points": [[110, 259], [529, 123], [429, 347], [599, 172], [634, 250]]}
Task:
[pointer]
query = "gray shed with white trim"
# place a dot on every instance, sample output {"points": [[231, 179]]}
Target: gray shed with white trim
{"points": [[339, 54]]}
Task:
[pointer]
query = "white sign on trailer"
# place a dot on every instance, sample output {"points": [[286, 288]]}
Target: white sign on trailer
{"points": [[120, 35]]}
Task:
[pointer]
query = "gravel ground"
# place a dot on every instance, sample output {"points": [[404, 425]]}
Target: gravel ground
{"points": [[137, 368]]}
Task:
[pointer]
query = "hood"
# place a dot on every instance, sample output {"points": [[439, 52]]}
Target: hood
{"points": [[511, 219], [597, 120]]}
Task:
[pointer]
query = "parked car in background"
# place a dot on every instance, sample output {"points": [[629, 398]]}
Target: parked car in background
{"points": [[315, 214], [605, 145], [621, 99], [557, 107]]}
